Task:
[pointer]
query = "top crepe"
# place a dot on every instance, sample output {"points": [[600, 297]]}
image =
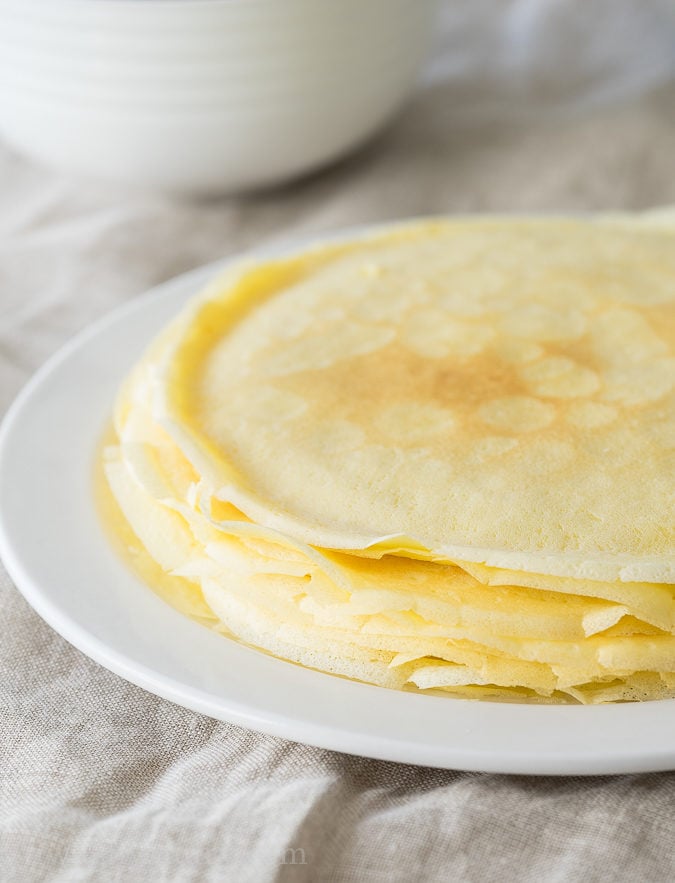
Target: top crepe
{"points": [[490, 391]]}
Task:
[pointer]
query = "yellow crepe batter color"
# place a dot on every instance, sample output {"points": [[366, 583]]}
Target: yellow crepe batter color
{"points": [[440, 457]]}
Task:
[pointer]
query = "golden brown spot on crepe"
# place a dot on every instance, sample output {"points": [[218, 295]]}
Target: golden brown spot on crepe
{"points": [[396, 374]]}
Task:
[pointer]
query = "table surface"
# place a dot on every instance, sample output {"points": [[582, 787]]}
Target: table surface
{"points": [[525, 106]]}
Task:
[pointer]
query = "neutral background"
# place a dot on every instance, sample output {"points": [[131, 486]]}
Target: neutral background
{"points": [[537, 105]]}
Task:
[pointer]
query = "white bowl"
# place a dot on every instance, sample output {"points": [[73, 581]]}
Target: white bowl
{"points": [[204, 96]]}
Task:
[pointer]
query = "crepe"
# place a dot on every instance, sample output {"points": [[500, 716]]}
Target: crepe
{"points": [[437, 458], [492, 391]]}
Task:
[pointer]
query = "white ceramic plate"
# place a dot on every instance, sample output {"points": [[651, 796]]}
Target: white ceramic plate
{"points": [[57, 553]]}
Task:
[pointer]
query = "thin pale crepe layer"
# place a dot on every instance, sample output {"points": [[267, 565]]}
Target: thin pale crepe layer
{"points": [[394, 622], [288, 387]]}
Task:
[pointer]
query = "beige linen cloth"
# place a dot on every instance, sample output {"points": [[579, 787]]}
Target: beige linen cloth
{"points": [[535, 105]]}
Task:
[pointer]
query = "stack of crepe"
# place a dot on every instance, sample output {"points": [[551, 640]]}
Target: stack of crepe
{"points": [[437, 457]]}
